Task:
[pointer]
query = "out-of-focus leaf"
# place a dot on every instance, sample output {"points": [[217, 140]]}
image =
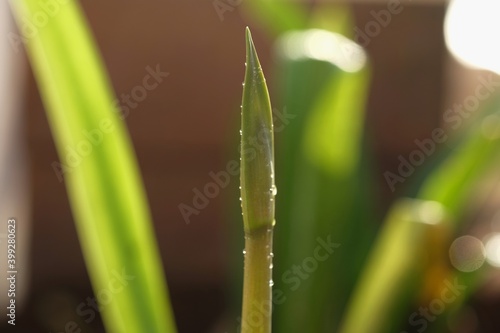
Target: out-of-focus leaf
{"points": [[453, 180], [103, 183], [334, 18], [449, 182], [397, 259], [277, 16], [322, 184]]}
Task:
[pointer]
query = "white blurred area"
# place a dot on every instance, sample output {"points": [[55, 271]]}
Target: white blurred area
{"points": [[471, 32], [14, 186], [492, 245]]}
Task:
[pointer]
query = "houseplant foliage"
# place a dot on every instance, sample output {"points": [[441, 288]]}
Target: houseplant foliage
{"points": [[104, 186], [324, 175], [322, 194]]}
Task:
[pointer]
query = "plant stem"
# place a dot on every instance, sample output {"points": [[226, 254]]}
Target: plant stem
{"points": [[257, 285]]}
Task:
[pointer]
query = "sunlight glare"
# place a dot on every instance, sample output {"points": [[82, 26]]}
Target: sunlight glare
{"points": [[471, 32]]}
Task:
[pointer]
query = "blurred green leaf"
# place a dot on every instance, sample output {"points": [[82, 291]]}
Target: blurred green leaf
{"points": [[451, 181], [448, 181], [257, 146], [277, 16], [396, 261], [103, 184], [321, 177]]}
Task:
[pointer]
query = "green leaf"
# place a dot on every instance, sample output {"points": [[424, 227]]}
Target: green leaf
{"points": [[104, 186], [323, 176], [451, 181], [278, 16], [397, 260], [257, 146]]}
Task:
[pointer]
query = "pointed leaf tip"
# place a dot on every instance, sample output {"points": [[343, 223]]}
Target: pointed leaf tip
{"points": [[257, 171], [248, 37], [251, 57]]}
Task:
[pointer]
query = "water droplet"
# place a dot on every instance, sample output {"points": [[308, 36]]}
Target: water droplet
{"points": [[240, 187], [241, 132], [244, 252], [271, 266], [245, 64], [241, 199], [271, 255], [271, 283], [273, 190], [243, 84]]}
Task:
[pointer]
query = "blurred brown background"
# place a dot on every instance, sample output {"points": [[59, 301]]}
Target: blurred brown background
{"points": [[188, 126]]}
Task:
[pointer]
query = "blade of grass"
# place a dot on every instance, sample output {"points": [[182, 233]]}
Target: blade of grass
{"points": [[257, 195], [104, 187]]}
